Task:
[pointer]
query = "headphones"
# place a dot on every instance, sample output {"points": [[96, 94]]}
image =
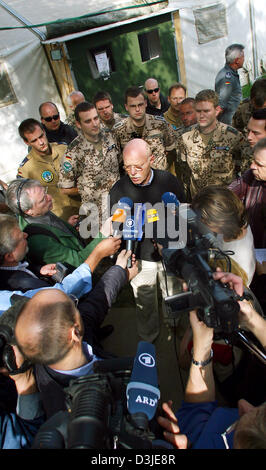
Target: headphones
{"points": [[18, 193]]}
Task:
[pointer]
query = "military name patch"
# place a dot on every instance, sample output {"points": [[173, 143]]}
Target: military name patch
{"points": [[222, 148], [47, 176], [67, 166]]}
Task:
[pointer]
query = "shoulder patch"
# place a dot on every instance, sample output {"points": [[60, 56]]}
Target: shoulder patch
{"points": [[232, 129], [24, 161], [73, 144]]}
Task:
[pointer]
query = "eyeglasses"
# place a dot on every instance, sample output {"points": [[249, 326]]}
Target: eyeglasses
{"points": [[50, 118], [151, 91], [137, 168], [227, 432]]}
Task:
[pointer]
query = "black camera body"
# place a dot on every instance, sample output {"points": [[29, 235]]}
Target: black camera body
{"points": [[97, 417]]}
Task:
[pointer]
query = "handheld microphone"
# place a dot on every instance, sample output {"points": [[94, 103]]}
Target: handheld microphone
{"points": [[170, 198], [142, 390], [124, 205], [133, 229]]}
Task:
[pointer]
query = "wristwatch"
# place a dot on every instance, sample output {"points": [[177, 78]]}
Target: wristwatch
{"points": [[203, 363]]}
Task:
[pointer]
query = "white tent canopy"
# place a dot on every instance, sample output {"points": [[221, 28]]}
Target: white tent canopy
{"points": [[23, 57]]}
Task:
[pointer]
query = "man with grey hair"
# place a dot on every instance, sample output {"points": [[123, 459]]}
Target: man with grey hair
{"points": [[73, 99], [51, 239], [227, 83]]}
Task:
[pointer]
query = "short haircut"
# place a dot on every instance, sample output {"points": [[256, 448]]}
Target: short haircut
{"points": [[83, 107], [207, 95], [258, 92], [54, 320], [175, 86], [232, 52], [28, 126], [188, 101], [100, 96], [219, 207], [260, 145], [17, 197], [259, 114], [7, 242], [134, 92], [43, 104]]}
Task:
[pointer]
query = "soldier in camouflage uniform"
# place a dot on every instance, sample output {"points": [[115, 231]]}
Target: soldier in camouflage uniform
{"points": [[43, 164], [256, 101], [103, 103], [212, 152], [153, 129], [90, 165]]}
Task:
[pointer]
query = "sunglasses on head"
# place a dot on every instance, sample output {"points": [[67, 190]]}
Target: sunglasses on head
{"points": [[50, 118], [151, 91]]}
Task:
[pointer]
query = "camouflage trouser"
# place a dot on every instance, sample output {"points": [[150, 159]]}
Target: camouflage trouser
{"points": [[145, 286]]}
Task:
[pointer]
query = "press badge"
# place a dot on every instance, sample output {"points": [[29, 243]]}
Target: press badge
{"points": [[152, 215]]}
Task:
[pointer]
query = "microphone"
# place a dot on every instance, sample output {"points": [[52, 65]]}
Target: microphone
{"points": [[124, 205], [133, 229], [142, 390], [170, 198]]}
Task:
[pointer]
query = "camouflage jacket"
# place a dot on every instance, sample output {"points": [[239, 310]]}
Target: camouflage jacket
{"points": [[157, 133], [117, 118], [92, 171], [215, 163]]}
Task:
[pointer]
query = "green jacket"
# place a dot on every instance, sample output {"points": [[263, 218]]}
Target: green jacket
{"points": [[59, 247]]}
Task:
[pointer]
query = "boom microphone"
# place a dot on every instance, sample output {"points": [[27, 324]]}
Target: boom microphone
{"points": [[142, 390]]}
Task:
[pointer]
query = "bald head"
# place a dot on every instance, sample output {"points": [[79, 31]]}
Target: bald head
{"points": [[152, 90], [137, 157], [75, 98], [42, 327]]}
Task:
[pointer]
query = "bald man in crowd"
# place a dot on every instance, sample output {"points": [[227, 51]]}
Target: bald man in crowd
{"points": [[146, 185]]}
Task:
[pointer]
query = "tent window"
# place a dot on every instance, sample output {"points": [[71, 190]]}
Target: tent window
{"points": [[149, 44], [210, 23], [7, 94], [101, 62]]}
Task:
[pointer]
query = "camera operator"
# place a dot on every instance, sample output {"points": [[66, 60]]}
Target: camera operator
{"points": [[200, 419], [17, 430], [52, 333]]}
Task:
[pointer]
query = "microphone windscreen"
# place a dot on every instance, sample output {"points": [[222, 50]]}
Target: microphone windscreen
{"points": [[125, 202], [142, 390], [170, 198]]}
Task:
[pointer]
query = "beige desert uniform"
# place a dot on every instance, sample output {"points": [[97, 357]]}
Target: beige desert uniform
{"points": [[156, 132], [45, 169], [93, 169], [212, 159], [116, 119]]}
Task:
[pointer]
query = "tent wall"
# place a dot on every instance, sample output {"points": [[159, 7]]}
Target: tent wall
{"points": [[202, 61], [32, 82]]}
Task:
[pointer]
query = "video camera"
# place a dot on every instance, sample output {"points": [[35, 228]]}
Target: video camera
{"points": [[114, 408], [216, 304]]}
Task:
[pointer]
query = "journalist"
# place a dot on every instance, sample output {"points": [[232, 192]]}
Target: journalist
{"points": [[200, 423], [51, 333]]}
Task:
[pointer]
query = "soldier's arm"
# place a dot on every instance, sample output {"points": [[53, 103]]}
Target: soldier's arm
{"points": [[68, 175]]}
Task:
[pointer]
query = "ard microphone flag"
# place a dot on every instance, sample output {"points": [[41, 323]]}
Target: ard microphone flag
{"points": [[142, 390]]}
